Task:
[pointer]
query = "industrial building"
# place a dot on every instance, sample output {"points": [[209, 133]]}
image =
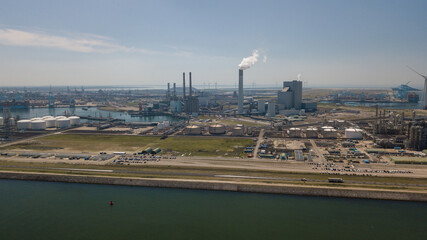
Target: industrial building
{"points": [[271, 111], [191, 103], [261, 106], [290, 96], [417, 135], [188, 104]]}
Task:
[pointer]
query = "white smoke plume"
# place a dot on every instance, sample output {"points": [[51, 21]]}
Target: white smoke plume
{"points": [[299, 76], [248, 62], [265, 59]]}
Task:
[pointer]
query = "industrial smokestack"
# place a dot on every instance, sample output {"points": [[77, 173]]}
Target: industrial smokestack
{"points": [[174, 89], [191, 90], [425, 93], [249, 61], [240, 96], [169, 89], [183, 85]]}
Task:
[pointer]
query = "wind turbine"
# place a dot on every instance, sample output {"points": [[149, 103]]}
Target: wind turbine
{"points": [[425, 86]]}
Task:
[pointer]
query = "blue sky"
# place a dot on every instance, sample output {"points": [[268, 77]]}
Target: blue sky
{"points": [[330, 43]]}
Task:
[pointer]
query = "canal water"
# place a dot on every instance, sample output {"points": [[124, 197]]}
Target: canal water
{"points": [[45, 210], [79, 111]]}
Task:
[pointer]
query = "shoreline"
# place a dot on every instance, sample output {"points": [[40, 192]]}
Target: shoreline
{"points": [[286, 189]]}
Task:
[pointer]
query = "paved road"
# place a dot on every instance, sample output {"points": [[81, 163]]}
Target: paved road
{"points": [[32, 138], [317, 150], [207, 175], [260, 140]]}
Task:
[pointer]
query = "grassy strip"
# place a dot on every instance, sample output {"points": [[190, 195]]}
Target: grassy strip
{"points": [[198, 146]]}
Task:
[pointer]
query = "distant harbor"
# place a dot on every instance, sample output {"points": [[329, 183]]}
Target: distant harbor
{"points": [[388, 105], [88, 114]]}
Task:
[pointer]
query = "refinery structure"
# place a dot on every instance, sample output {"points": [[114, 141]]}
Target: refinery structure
{"points": [[355, 132]]}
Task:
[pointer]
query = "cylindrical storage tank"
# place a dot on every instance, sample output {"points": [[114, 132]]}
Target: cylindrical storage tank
{"points": [[237, 131], [63, 123], [46, 117], [74, 120], [36, 119], [50, 122], [353, 133], [12, 121], [193, 130], [217, 129], [311, 133], [330, 133], [294, 132], [59, 117], [24, 124], [1, 121], [326, 127], [38, 125], [339, 123]]}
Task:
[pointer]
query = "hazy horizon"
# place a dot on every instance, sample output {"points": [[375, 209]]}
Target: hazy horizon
{"points": [[332, 44]]}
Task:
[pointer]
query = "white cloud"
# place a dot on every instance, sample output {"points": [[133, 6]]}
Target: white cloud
{"points": [[89, 44]]}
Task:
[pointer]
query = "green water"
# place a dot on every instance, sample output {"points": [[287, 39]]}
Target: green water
{"points": [[43, 210]]}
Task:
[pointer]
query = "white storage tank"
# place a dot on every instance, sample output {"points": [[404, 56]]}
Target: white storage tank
{"points": [[339, 123], [63, 123], [193, 130], [294, 132], [50, 122], [59, 117], [74, 120], [330, 133], [238, 131], [38, 125], [24, 124], [46, 117], [353, 133], [326, 127], [1, 121], [12, 121], [217, 129], [311, 133]]}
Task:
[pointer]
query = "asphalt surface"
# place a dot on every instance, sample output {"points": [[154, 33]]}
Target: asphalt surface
{"points": [[209, 175]]}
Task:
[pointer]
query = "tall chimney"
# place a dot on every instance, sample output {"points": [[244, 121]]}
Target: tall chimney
{"points": [[191, 90], [183, 85], [240, 96], [174, 89], [169, 89], [425, 93]]}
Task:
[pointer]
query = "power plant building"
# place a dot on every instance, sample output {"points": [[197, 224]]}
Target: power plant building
{"points": [[271, 111], [290, 96], [261, 106]]}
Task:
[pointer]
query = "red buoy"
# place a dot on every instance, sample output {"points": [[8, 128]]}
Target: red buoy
{"points": [[111, 203]]}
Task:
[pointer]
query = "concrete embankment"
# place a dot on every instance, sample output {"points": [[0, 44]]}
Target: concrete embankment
{"points": [[221, 186]]}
